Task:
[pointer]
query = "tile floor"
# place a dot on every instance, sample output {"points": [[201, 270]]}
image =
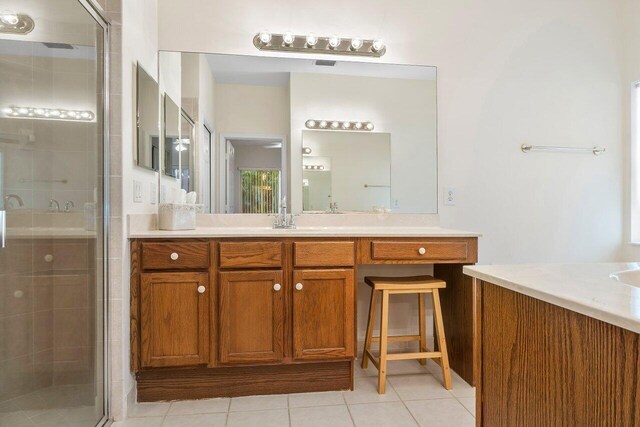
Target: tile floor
{"points": [[414, 396]]}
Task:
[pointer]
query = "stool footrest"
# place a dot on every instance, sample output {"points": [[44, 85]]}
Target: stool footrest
{"points": [[421, 355], [398, 338]]}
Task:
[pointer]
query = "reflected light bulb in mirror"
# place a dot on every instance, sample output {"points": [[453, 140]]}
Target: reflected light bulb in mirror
{"points": [[312, 40], [357, 125], [7, 110], [369, 126], [265, 37], [288, 38], [323, 124], [335, 125], [377, 45], [356, 44], [310, 123], [346, 125], [9, 18], [306, 150], [334, 42]]}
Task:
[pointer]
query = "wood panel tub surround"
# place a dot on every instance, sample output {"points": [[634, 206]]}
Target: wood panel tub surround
{"points": [[544, 365], [327, 268]]}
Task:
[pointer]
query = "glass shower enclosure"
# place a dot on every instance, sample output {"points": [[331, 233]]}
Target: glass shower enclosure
{"points": [[53, 210]]}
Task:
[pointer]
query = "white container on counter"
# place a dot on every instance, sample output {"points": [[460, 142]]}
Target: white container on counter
{"points": [[174, 216]]}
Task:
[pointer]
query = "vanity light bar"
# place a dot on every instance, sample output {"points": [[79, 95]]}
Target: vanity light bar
{"points": [[15, 23], [49, 114], [338, 125], [314, 167], [311, 43]]}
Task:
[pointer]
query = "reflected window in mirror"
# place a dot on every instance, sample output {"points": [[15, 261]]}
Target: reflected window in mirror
{"points": [[148, 121]]}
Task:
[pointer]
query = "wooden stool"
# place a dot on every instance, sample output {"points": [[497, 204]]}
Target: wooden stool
{"points": [[405, 285]]}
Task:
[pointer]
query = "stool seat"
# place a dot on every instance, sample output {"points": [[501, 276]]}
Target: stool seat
{"points": [[419, 285]]}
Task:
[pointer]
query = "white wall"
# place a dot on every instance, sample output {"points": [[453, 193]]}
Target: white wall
{"points": [[206, 117], [538, 71], [406, 109], [139, 44]]}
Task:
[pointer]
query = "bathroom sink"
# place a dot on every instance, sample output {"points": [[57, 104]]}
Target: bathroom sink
{"points": [[629, 277]]}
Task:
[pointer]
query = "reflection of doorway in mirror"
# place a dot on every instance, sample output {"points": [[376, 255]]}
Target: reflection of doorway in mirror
{"points": [[207, 161], [245, 161]]}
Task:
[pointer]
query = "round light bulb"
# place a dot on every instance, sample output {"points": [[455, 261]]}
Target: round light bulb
{"points": [[369, 126], [86, 115], [7, 110], [357, 125], [346, 125], [39, 111], [288, 38], [265, 37], [312, 40], [323, 124], [377, 45], [23, 110], [335, 125], [9, 18], [356, 44], [334, 42], [306, 150], [321, 167], [310, 123], [55, 113]]}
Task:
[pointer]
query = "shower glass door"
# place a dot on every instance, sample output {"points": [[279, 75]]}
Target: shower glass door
{"points": [[52, 210]]}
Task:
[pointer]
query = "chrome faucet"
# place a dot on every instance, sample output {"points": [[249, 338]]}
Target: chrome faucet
{"points": [[7, 201], [54, 206], [333, 207], [68, 206], [283, 219]]}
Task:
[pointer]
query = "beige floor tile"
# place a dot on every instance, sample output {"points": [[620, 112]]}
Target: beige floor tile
{"points": [[196, 420], [440, 413], [381, 414], [140, 422], [321, 416], [205, 406], [460, 387], [419, 387], [154, 409], [366, 391], [301, 400], [396, 367], [469, 403], [271, 418], [257, 403]]}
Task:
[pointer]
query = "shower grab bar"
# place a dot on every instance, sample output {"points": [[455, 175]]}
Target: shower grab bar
{"points": [[526, 148], [61, 181]]}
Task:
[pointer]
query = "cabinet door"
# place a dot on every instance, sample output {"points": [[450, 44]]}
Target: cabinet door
{"points": [[251, 316], [323, 314], [174, 324]]}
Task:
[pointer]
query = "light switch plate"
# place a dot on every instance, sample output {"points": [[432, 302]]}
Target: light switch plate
{"points": [[137, 192], [449, 196], [153, 195]]}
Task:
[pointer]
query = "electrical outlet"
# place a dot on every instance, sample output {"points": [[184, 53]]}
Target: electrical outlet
{"points": [[153, 193], [449, 196], [137, 192], [396, 203]]}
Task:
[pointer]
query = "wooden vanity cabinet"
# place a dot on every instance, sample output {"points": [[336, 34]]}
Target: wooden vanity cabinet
{"points": [[174, 321], [323, 314], [251, 317]]}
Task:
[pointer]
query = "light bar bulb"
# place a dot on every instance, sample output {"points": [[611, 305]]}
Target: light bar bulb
{"points": [[377, 45], [312, 40], [323, 124], [265, 37], [9, 18], [288, 38], [310, 123], [334, 42], [356, 43], [369, 126]]}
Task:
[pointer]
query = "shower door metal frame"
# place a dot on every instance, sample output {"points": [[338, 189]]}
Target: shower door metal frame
{"points": [[99, 16]]}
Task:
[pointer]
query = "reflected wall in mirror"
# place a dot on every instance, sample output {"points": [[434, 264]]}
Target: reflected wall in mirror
{"points": [[255, 109], [148, 121], [186, 149], [171, 151], [346, 171]]}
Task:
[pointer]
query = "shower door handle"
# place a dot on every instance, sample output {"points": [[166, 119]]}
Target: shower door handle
{"points": [[3, 229]]}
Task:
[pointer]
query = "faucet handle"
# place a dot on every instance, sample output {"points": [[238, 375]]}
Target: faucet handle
{"points": [[68, 205]]}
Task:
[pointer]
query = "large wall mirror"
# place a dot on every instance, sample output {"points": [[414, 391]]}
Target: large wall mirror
{"points": [[147, 121], [326, 136]]}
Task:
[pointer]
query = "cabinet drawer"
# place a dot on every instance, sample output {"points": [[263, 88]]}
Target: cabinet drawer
{"points": [[418, 251], [250, 254], [175, 255], [324, 254]]}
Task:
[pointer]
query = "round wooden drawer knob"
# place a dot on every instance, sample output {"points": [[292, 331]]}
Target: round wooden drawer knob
{"points": [[422, 251], [277, 287], [299, 286], [175, 256], [201, 289]]}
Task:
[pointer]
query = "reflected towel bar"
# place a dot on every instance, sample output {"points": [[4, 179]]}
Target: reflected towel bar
{"points": [[593, 150], [377, 186]]}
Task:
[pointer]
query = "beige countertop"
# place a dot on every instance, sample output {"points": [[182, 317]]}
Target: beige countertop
{"points": [[594, 290]]}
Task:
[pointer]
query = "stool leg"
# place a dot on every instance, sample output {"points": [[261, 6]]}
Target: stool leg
{"points": [[370, 323], [423, 326], [442, 342], [384, 331]]}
